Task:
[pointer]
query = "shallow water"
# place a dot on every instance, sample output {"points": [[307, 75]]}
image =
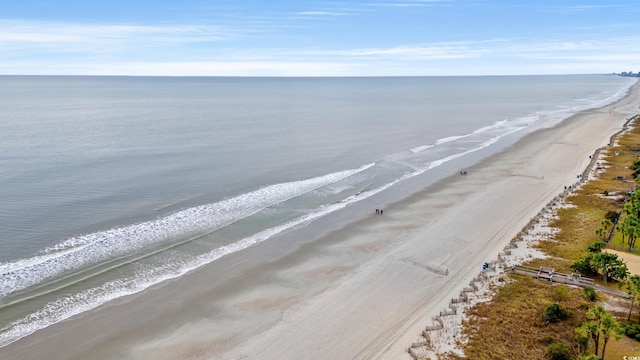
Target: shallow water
{"points": [[111, 184]]}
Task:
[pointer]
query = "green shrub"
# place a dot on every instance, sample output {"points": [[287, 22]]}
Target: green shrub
{"points": [[590, 357], [596, 246], [636, 168], [559, 351], [554, 313], [612, 216], [584, 266], [589, 293], [585, 306], [561, 293]]}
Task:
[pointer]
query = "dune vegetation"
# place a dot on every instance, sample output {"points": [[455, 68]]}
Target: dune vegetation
{"points": [[532, 319]]}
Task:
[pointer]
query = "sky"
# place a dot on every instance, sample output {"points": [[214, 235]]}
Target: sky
{"points": [[318, 38]]}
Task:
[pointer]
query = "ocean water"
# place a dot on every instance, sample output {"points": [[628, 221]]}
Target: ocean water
{"points": [[110, 185]]}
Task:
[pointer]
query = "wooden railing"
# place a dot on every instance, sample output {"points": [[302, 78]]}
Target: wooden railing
{"points": [[549, 274]]}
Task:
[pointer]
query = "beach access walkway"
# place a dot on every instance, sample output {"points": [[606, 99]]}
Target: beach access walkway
{"points": [[549, 274], [431, 336]]}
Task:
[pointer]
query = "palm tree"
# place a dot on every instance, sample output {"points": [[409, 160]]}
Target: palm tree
{"points": [[606, 223], [610, 266], [582, 336], [595, 315], [596, 246], [622, 227], [632, 208], [632, 285], [608, 326], [633, 236]]}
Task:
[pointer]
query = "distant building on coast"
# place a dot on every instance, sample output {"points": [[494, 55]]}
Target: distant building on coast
{"points": [[630, 73]]}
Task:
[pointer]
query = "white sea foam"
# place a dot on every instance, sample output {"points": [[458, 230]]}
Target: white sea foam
{"points": [[68, 306], [621, 93], [86, 250], [483, 145], [89, 299], [450, 139], [495, 125], [65, 307], [422, 148]]}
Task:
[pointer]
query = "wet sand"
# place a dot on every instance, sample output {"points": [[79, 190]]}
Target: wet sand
{"points": [[361, 291]]}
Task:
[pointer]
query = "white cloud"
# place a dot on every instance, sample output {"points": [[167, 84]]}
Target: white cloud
{"points": [[70, 37], [572, 9], [609, 57], [320, 13], [621, 46], [126, 49], [185, 68], [302, 67], [409, 3], [417, 52]]}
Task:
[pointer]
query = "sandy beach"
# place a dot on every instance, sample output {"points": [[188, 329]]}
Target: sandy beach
{"points": [[363, 291], [632, 261]]}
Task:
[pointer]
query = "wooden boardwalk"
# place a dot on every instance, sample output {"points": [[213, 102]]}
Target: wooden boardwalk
{"points": [[549, 274]]}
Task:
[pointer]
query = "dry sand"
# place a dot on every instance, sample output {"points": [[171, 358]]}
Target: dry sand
{"points": [[370, 290], [632, 261], [378, 311]]}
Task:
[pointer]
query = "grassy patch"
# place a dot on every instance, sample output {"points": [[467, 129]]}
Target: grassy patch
{"points": [[497, 329], [511, 326]]}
